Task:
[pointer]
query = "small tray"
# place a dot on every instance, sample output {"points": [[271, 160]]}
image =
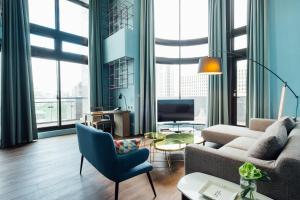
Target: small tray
{"points": [[216, 191]]}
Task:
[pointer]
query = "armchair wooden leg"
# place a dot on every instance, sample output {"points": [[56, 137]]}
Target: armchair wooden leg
{"points": [[81, 163], [151, 183], [116, 191]]}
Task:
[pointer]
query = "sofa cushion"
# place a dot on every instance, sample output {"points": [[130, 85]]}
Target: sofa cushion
{"points": [[288, 123], [224, 134], [271, 143], [259, 124], [242, 143], [234, 152], [125, 146]]}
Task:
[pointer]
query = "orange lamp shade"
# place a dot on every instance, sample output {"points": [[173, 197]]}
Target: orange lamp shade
{"points": [[210, 65]]}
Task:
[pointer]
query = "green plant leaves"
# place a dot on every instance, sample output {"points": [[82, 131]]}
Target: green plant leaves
{"points": [[249, 172]]}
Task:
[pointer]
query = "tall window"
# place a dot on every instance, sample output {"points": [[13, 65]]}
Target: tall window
{"points": [[59, 31], [239, 60], [181, 31]]}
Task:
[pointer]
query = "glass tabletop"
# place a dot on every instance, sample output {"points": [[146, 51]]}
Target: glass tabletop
{"points": [[155, 136], [173, 141]]}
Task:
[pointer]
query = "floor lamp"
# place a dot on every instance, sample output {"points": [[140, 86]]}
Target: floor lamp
{"points": [[213, 66]]}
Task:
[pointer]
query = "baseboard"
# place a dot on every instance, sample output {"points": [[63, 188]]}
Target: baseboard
{"points": [[56, 133]]}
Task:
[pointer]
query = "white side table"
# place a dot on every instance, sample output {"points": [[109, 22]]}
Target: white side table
{"points": [[190, 185]]}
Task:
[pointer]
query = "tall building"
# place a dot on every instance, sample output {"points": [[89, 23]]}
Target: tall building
{"points": [[167, 81], [194, 85]]}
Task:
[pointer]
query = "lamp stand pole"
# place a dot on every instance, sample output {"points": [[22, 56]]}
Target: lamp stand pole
{"points": [[204, 67], [282, 97]]}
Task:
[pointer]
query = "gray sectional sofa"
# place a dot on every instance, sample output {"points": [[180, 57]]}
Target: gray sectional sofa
{"points": [[224, 162]]}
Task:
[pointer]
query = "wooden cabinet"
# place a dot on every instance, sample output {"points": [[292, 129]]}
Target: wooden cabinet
{"points": [[122, 123]]}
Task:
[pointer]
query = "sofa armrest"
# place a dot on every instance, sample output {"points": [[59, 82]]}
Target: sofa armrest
{"points": [[217, 163], [288, 165], [257, 124]]}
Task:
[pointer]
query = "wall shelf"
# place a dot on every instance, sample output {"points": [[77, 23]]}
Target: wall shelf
{"points": [[119, 77], [119, 15]]}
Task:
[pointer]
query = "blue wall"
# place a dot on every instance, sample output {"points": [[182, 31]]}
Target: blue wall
{"points": [[284, 50], [126, 43]]}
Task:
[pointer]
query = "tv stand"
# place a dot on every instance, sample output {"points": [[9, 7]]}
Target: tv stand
{"points": [[175, 123], [178, 124]]}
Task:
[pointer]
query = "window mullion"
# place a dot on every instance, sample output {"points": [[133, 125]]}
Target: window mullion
{"points": [[58, 52], [179, 29]]}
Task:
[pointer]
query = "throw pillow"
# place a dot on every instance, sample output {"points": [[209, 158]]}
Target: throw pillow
{"points": [[125, 146], [271, 143], [288, 123]]}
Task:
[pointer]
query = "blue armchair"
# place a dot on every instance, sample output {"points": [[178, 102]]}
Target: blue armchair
{"points": [[98, 148]]}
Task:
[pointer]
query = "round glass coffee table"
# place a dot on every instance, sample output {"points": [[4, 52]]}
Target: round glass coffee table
{"points": [[171, 142]]}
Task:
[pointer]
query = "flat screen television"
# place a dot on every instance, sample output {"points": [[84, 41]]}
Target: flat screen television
{"points": [[175, 110]]}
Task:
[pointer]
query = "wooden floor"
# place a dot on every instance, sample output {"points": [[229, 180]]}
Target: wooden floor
{"points": [[49, 169]]}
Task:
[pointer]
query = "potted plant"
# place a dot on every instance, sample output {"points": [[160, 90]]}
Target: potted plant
{"points": [[249, 176]]}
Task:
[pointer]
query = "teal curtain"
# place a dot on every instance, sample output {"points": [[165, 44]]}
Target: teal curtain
{"points": [[257, 78], [96, 53], [147, 68], [18, 121], [218, 84]]}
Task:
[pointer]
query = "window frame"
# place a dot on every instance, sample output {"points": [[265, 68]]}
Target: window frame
{"points": [[58, 54], [59, 36], [179, 44], [232, 58], [180, 61]]}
